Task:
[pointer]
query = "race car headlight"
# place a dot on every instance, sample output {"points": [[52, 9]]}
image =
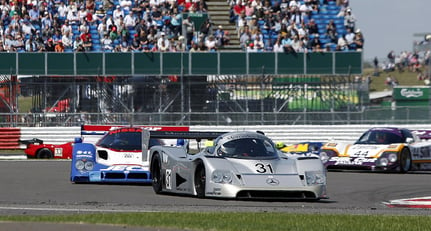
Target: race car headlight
{"points": [[383, 161], [79, 164], [220, 176], [89, 165], [392, 157], [315, 178], [84, 165]]}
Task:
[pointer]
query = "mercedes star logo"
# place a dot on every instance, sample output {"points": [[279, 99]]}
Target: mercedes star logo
{"points": [[272, 181]]}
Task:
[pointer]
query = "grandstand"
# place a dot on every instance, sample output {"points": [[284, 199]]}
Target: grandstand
{"points": [[30, 27]]}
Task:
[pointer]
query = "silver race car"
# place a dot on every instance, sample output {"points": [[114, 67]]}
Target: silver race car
{"points": [[243, 165]]}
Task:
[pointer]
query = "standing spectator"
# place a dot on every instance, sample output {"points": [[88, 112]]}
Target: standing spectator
{"points": [[245, 38], [349, 20], [205, 28], [189, 27], [376, 66]]}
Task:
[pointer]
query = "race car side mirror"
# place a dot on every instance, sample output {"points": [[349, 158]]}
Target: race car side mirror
{"points": [[78, 140], [409, 140]]}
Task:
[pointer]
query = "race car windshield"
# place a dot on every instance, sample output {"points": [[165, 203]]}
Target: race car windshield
{"points": [[380, 137], [125, 141], [247, 148]]}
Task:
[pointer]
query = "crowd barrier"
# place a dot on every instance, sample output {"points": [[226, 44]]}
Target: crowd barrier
{"points": [[289, 134]]}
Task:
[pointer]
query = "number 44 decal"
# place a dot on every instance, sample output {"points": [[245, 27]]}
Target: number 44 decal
{"points": [[263, 168]]}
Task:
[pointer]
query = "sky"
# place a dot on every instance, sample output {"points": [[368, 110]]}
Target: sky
{"points": [[391, 24]]}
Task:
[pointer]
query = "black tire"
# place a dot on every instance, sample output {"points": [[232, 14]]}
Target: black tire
{"points": [[405, 160], [44, 153], [200, 180], [156, 173]]}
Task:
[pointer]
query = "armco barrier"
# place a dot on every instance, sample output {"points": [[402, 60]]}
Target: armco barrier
{"points": [[9, 138], [50, 135], [286, 133]]}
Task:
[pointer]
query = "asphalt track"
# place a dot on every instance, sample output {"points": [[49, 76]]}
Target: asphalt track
{"points": [[42, 187]]}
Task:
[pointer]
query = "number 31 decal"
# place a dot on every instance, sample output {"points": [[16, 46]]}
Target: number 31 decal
{"points": [[263, 168]]}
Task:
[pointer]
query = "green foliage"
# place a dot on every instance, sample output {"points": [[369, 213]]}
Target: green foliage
{"points": [[233, 221]]}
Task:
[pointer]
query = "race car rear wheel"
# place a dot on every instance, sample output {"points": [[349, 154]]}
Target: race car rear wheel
{"points": [[156, 173], [44, 153], [200, 179], [405, 160]]}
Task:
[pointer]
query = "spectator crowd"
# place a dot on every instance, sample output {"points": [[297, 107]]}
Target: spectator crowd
{"points": [[158, 25], [296, 25]]}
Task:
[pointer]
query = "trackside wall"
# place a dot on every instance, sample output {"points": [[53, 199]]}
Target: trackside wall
{"points": [[9, 137]]}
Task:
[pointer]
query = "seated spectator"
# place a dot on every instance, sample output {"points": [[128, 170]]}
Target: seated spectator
{"points": [[86, 39], [30, 44], [210, 43], [358, 41], [72, 17], [129, 20], [78, 45], [34, 15], [49, 46], [181, 44], [126, 4], [349, 37], [221, 36], [331, 31], [277, 47], [236, 11], [286, 42], [90, 5], [135, 45], [59, 47], [314, 44], [67, 40], [312, 27], [27, 28]]}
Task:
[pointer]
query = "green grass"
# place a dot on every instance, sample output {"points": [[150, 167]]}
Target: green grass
{"points": [[231, 221], [405, 78]]}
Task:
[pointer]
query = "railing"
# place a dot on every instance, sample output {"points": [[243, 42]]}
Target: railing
{"points": [[381, 115]]}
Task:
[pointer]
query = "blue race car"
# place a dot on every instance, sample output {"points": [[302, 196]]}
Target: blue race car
{"points": [[118, 157]]}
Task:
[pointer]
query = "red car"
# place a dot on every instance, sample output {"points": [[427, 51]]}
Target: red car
{"points": [[37, 149], [90, 134]]}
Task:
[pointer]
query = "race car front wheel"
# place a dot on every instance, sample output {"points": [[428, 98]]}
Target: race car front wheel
{"points": [[405, 160], [44, 153], [200, 180], [156, 173]]}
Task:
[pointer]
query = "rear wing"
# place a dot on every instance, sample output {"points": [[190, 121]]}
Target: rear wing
{"points": [[92, 133], [186, 135]]}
